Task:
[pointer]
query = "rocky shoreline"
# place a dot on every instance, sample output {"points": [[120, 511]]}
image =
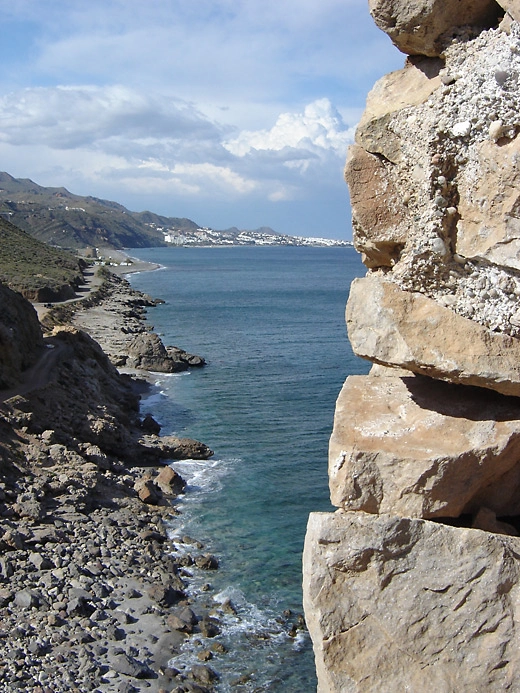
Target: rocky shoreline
{"points": [[93, 594]]}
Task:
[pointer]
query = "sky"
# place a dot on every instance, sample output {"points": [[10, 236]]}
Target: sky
{"points": [[227, 112]]}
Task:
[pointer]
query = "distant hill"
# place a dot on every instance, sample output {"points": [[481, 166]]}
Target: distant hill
{"points": [[60, 218], [36, 270]]}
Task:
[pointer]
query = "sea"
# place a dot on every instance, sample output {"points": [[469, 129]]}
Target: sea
{"points": [[270, 323]]}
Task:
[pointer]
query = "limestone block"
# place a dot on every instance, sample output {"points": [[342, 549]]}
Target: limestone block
{"points": [[398, 604], [489, 206], [377, 212], [418, 27], [406, 329], [511, 6], [411, 86], [420, 447]]}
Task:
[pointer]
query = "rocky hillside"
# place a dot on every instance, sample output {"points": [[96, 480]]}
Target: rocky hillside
{"points": [[36, 270], [21, 342], [58, 217], [414, 583]]}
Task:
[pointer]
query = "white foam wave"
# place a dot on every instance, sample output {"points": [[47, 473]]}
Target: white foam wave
{"points": [[246, 630], [153, 398], [202, 476], [160, 376]]}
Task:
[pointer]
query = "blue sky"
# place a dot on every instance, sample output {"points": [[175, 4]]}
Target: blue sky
{"points": [[228, 112]]}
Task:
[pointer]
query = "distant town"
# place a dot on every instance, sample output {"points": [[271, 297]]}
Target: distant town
{"points": [[207, 237]]}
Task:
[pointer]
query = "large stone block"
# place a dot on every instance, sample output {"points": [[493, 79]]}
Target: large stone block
{"points": [[397, 604], [419, 447], [406, 329], [422, 27], [511, 6]]}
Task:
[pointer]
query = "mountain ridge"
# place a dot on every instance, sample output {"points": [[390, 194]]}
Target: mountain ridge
{"points": [[58, 217]]}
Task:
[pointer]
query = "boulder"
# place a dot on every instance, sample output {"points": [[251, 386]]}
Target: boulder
{"points": [[409, 330], [27, 599], [129, 666], [173, 448], [424, 27], [182, 356], [170, 482], [387, 455], [398, 604], [150, 425], [165, 595], [147, 491], [146, 351]]}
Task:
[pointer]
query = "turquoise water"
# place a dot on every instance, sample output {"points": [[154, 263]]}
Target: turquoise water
{"points": [[270, 323]]}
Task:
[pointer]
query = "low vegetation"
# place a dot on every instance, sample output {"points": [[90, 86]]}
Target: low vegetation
{"points": [[38, 271]]}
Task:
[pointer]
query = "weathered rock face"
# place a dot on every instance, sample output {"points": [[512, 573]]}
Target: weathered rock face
{"points": [[418, 447], [369, 190], [409, 330], [21, 339], [489, 208], [450, 160], [393, 600], [423, 27], [405, 604]]}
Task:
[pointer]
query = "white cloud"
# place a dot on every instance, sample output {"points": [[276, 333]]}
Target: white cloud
{"points": [[197, 177], [306, 143], [319, 127], [218, 53], [149, 142], [179, 99], [65, 117]]}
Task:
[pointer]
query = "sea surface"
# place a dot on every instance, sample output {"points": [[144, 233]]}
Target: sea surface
{"points": [[270, 323]]}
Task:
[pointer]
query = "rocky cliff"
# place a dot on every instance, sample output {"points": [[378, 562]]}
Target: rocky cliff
{"points": [[21, 341], [413, 584]]}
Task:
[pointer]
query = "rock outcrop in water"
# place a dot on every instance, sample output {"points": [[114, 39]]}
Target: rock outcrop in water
{"points": [[413, 584]]}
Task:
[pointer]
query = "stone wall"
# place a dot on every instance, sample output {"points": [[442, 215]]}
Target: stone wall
{"points": [[413, 583]]}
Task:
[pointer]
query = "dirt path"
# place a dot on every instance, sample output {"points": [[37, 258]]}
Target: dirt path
{"points": [[99, 322], [92, 281], [40, 374]]}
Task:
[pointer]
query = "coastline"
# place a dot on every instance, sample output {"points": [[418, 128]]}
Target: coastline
{"points": [[147, 617], [106, 591], [123, 256]]}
